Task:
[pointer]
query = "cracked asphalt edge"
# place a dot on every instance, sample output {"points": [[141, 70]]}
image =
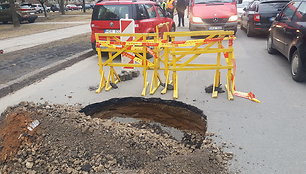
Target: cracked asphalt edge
{"points": [[42, 73]]}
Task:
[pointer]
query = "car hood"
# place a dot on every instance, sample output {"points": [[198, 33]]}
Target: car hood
{"points": [[214, 10]]}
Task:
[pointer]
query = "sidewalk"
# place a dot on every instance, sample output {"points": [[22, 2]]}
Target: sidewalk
{"points": [[22, 42]]}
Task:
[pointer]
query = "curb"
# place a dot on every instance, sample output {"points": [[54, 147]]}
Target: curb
{"points": [[42, 73]]}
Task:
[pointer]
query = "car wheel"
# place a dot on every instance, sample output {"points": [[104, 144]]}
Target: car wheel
{"points": [[297, 71], [249, 31], [93, 46], [31, 20], [270, 48]]}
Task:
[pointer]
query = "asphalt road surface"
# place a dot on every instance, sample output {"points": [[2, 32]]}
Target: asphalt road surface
{"points": [[266, 137]]}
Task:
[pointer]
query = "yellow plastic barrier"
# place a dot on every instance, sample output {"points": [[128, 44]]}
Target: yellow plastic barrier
{"points": [[138, 44], [176, 57], [170, 55]]}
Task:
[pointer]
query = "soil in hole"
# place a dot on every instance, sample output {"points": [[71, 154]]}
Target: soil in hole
{"points": [[167, 112]]}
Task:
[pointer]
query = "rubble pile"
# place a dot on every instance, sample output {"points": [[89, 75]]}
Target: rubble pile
{"points": [[67, 141]]}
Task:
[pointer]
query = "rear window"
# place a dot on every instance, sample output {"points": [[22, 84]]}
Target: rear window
{"points": [[273, 7], [111, 12]]}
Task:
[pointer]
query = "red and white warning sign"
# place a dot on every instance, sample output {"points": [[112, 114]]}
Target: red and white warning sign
{"points": [[127, 26]]}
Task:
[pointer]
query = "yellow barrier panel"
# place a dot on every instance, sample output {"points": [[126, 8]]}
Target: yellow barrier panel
{"points": [[177, 56], [180, 50], [137, 44]]}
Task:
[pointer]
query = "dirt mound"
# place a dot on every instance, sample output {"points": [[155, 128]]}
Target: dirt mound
{"points": [[67, 141]]}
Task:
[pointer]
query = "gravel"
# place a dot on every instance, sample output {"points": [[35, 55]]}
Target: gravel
{"points": [[67, 141]]}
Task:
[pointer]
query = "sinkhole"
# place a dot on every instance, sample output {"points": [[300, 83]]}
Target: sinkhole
{"points": [[178, 119]]}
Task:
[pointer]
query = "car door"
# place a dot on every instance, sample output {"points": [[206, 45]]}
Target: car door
{"points": [[143, 22], [282, 27], [292, 29], [153, 18], [162, 19], [249, 11]]}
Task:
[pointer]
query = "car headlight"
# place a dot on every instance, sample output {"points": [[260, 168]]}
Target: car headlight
{"points": [[233, 18], [197, 20]]}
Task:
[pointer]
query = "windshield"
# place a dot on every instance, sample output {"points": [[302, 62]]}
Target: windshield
{"points": [[110, 12], [212, 1], [272, 7]]}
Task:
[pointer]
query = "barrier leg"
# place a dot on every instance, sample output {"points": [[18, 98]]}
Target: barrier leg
{"points": [[164, 91], [229, 85], [217, 74], [216, 84], [102, 77], [112, 78], [102, 82], [145, 83], [175, 85], [155, 83]]}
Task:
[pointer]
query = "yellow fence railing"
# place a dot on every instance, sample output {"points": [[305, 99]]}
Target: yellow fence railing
{"points": [[170, 55]]}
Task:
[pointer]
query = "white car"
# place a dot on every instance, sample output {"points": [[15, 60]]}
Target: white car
{"points": [[240, 8], [38, 8]]}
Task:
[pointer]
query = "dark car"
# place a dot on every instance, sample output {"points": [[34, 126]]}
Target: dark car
{"points": [[259, 15], [56, 7], [24, 13], [288, 36]]}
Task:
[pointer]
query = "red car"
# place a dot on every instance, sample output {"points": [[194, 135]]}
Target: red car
{"points": [[213, 15], [147, 15]]}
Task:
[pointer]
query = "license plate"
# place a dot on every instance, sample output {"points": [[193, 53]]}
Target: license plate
{"points": [[111, 31], [215, 28]]}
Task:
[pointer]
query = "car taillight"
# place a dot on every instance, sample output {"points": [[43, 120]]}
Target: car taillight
{"points": [[256, 17], [24, 9]]}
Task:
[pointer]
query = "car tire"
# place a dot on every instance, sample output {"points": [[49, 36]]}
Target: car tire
{"points": [[249, 31], [297, 71], [270, 48]]}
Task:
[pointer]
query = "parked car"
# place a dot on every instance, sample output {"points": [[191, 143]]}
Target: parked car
{"points": [[288, 36], [55, 7], [240, 8], [72, 7], [259, 15], [147, 15], [38, 8], [24, 13], [213, 15], [87, 6]]}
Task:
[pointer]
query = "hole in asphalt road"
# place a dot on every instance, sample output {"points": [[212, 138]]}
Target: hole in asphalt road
{"points": [[179, 120]]}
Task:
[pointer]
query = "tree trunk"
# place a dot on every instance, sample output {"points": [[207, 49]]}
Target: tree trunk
{"points": [[62, 8], [16, 21], [43, 6], [84, 9]]}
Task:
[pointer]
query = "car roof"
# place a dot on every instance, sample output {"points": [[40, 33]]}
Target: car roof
{"points": [[124, 2]]}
